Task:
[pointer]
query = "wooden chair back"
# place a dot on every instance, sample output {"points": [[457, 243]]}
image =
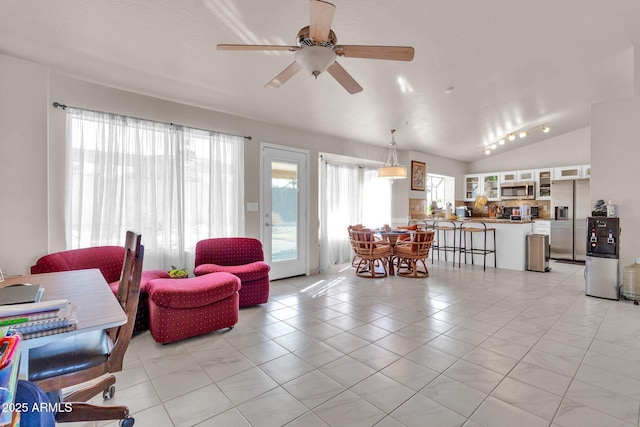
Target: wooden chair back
{"points": [[128, 295]]}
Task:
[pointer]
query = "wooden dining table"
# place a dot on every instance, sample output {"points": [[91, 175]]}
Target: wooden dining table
{"points": [[95, 304]]}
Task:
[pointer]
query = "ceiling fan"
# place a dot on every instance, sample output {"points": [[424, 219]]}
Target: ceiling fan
{"points": [[317, 49]]}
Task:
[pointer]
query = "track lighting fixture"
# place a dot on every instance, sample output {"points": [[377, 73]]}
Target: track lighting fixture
{"points": [[511, 136]]}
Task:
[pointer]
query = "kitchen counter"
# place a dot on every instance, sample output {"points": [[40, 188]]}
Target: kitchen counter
{"points": [[510, 240]]}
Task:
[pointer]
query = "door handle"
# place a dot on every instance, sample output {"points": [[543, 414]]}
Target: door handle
{"points": [[267, 224]]}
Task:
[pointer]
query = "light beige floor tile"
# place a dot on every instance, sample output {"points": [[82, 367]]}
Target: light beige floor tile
{"points": [[609, 402], [454, 395], [180, 382], [307, 420], [230, 418], [409, 373], [286, 368], [474, 375], [314, 388], [496, 413], [246, 385], [318, 354], [274, 408], [348, 410], [527, 397], [573, 414], [374, 356], [347, 371], [541, 378], [383, 392], [420, 411], [197, 406]]}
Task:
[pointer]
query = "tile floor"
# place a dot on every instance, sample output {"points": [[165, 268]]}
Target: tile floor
{"points": [[461, 348]]}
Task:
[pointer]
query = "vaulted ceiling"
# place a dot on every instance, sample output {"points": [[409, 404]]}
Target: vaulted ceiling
{"points": [[482, 68]]}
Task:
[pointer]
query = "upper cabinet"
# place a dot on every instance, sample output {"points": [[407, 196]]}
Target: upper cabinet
{"points": [[528, 175], [484, 184], [471, 187], [511, 176], [491, 186], [488, 184], [567, 172], [543, 184]]}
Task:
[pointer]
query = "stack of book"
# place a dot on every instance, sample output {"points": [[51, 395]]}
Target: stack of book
{"points": [[33, 320]]}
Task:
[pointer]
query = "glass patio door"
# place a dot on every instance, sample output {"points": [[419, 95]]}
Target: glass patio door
{"points": [[284, 206]]}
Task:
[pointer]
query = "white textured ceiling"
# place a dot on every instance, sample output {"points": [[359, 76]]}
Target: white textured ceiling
{"points": [[513, 63]]}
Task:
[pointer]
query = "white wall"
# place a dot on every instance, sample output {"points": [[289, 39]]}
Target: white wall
{"points": [[33, 147], [23, 163], [572, 148], [615, 154]]}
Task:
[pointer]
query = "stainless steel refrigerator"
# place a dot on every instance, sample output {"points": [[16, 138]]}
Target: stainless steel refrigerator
{"points": [[570, 207]]}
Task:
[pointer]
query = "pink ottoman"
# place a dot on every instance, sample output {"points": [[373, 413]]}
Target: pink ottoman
{"points": [[183, 308]]}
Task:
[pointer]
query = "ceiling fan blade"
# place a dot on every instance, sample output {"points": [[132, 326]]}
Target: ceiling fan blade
{"points": [[344, 78], [255, 47], [395, 53], [321, 17], [285, 75]]}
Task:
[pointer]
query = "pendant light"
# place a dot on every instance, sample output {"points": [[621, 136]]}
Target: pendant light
{"points": [[392, 169]]}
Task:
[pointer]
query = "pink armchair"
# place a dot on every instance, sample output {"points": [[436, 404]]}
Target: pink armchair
{"points": [[109, 260], [241, 256]]}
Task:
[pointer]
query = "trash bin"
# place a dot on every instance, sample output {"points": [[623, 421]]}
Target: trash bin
{"points": [[538, 252]]}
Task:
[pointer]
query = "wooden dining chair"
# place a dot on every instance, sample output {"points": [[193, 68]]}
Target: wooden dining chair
{"points": [[92, 357], [370, 253], [408, 255]]}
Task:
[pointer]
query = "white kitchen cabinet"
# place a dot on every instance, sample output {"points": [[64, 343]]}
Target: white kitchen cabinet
{"points": [[511, 176], [542, 226], [526, 175], [484, 184], [472, 187], [543, 179], [567, 172], [491, 186]]}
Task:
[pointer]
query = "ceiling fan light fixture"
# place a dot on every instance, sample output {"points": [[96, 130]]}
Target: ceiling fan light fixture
{"points": [[315, 59], [392, 169]]}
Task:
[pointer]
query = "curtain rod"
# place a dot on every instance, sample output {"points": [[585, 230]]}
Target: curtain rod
{"points": [[56, 104]]}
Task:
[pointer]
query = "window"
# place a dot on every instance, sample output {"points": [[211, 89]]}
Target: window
{"points": [[441, 190], [349, 194], [174, 185]]}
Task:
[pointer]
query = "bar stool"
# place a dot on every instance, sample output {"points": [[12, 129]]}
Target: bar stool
{"points": [[441, 243], [474, 228]]}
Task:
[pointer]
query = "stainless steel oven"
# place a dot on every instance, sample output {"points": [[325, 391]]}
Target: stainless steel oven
{"points": [[518, 190]]}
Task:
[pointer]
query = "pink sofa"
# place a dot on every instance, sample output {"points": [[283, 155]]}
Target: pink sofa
{"points": [[241, 256], [109, 260], [183, 308]]}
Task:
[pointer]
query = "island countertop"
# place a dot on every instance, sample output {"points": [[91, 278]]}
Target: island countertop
{"points": [[511, 237]]}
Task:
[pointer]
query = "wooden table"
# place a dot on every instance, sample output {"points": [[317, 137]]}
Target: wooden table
{"points": [[96, 306]]}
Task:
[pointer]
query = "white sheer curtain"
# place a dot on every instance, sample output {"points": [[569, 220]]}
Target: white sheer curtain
{"points": [[346, 193], [376, 199], [172, 184]]}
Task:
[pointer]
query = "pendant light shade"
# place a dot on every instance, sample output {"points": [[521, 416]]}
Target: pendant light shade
{"points": [[392, 169]]}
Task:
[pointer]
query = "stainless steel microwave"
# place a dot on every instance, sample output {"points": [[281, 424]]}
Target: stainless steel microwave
{"points": [[518, 190]]}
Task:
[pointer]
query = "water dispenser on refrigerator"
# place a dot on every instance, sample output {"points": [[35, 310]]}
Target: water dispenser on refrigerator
{"points": [[602, 261]]}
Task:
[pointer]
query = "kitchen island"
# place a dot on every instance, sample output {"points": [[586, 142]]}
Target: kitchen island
{"points": [[511, 241]]}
